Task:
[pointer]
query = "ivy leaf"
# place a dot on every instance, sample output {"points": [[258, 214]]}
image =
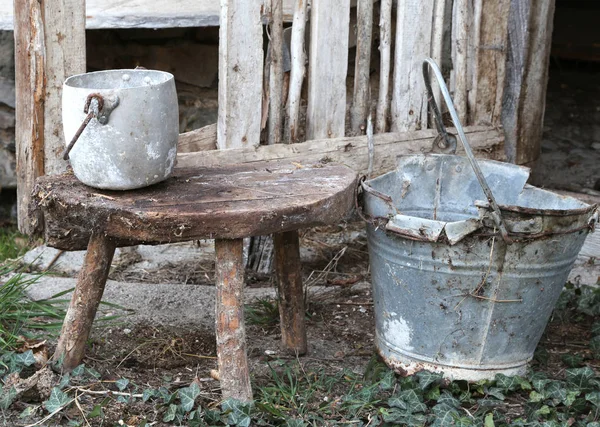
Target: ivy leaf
{"points": [[588, 301], [413, 401], [535, 397], [572, 360], [427, 378], [78, 371], [29, 411], [448, 399], [170, 414], [25, 359], [595, 345], [580, 377], [64, 381], [388, 381], [188, 396], [489, 420], [596, 328], [496, 392], [445, 415], [122, 383], [7, 397], [464, 422], [433, 393], [148, 393], [506, 383], [555, 391], [238, 412], [397, 402], [593, 398], [57, 400]]}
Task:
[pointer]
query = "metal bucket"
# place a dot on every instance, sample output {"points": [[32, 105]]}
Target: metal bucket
{"points": [[464, 281], [123, 127]]}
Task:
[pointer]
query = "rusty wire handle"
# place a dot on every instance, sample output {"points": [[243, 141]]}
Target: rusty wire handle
{"points": [[90, 115], [496, 214]]}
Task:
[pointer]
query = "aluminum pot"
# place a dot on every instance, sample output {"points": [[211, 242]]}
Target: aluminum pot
{"points": [[121, 127]]}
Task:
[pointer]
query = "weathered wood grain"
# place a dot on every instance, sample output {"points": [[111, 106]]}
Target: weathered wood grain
{"points": [[85, 300], [201, 139], [290, 292], [413, 45], [226, 202], [385, 49], [529, 41], [362, 74], [298, 58], [328, 66], [275, 129], [229, 318], [351, 151], [461, 13], [50, 45], [490, 33], [240, 74]]}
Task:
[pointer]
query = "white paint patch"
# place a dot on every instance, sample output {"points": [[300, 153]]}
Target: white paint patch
{"points": [[398, 332]]}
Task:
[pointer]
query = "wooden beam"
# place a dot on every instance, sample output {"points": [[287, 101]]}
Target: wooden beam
{"points": [[361, 100], [328, 66], [385, 42], [413, 45], [298, 59], [240, 73], [275, 133], [50, 46], [460, 54], [529, 41], [490, 35], [351, 151], [201, 139]]}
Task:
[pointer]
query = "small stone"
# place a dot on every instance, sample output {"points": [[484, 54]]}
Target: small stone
{"points": [[596, 145], [126, 331]]}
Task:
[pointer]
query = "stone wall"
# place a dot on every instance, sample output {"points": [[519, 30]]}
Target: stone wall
{"points": [[7, 110]]}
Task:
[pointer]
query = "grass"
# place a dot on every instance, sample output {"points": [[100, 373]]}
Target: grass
{"points": [[12, 244]]}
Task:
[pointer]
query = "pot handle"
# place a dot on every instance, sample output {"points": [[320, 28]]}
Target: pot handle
{"points": [[100, 111], [496, 214]]}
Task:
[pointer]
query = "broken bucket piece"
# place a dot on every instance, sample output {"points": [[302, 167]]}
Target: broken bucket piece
{"points": [[452, 294]]}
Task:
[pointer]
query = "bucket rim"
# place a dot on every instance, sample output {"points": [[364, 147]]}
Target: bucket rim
{"points": [[71, 79]]}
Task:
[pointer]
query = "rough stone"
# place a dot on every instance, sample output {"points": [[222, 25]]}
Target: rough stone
{"points": [[7, 89], [7, 55], [7, 118]]}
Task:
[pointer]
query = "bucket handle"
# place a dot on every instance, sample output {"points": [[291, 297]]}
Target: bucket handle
{"points": [[428, 62]]}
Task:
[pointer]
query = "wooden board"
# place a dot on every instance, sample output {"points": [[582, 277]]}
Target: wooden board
{"points": [[227, 202], [50, 45], [413, 45], [327, 69], [240, 74], [351, 151], [144, 13], [529, 42]]}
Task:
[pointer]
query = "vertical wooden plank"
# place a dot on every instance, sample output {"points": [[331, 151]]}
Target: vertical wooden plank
{"points": [[231, 332], [413, 44], [362, 93], [460, 50], [298, 58], [385, 42], [437, 41], [328, 66], [84, 302], [49, 46], [276, 74], [291, 293], [240, 73], [489, 62], [529, 41]]}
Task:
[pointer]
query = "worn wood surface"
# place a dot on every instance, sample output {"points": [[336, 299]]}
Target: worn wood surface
{"points": [[85, 300], [240, 73], [361, 99], [224, 202], [328, 66], [462, 13], [50, 45], [351, 151], [104, 14], [229, 318], [437, 42], [275, 133], [290, 292], [385, 49], [297, 72], [490, 33], [413, 45], [201, 139], [529, 42]]}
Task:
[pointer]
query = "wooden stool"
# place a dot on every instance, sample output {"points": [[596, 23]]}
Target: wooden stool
{"points": [[226, 204]]}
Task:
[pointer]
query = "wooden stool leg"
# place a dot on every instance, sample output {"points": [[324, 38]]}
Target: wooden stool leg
{"points": [[84, 303], [231, 333], [291, 294]]}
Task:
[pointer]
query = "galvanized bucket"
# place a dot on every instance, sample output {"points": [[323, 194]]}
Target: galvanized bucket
{"points": [[121, 127], [465, 279]]}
